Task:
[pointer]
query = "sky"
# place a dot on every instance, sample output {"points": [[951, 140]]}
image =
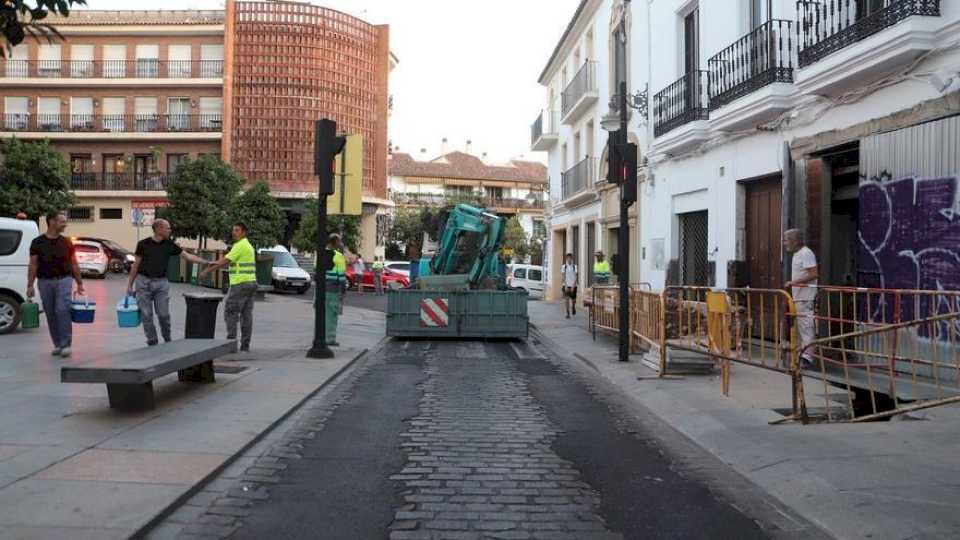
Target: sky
{"points": [[468, 70]]}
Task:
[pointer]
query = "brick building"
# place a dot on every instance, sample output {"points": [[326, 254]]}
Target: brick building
{"points": [[128, 95]]}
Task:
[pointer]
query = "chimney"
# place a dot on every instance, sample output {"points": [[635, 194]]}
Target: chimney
{"points": [[484, 157], [444, 147], [423, 150], [469, 147]]}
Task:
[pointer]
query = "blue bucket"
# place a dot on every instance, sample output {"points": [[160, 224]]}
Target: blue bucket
{"points": [[82, 310], [128, 313]]}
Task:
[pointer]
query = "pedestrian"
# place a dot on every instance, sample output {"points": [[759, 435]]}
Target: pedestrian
{"points": [[148, 279], [378, 275], [358, 270], [335, 278], [242, 260], [804, 277], [53, 266], [601, 270], [340, 262], [569, 277]]}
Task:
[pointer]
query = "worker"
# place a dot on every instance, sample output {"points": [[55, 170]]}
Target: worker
{"points": [[378, 275], [601, 270], [335, 279], [340, 262], [242, 260]]}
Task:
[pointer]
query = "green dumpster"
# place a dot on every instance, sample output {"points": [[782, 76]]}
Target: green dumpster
{"points": [[264, 270], [173, 270]]}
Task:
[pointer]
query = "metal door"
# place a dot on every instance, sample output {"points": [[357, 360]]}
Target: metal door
{"points": [[693, 248]]}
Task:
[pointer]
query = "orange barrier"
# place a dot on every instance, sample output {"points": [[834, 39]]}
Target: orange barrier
{"points": [[644, 313]]}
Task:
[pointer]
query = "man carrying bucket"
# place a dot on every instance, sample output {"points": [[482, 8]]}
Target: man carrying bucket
{"points": [[148, 279], [53, 265]]}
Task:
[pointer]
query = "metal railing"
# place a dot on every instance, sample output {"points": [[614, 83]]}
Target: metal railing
{"points": [[481, 200], [127, 181], [143, 68], [109, 123], [578, 178], [827, 26], [545, 124], [685, 100], [584, 82], [645, 313], [762, 57]]}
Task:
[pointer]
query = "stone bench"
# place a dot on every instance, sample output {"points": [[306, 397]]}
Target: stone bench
{"points": [[129, 376]]}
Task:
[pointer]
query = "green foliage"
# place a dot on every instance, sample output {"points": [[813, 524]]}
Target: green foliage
{"points": [[408, 226], [306, 239], [22, 18], [34, 179], [262, 215], [515, 238], [201, 194]]}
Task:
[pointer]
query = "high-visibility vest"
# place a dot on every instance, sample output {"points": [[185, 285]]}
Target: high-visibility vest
{"points": [[243, 262], [337, 274], [601, 271], [378, 266]]}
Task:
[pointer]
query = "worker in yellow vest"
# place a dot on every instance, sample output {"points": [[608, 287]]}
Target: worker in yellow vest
{"points": [[335, 280], [601, 270], [238, 306]]}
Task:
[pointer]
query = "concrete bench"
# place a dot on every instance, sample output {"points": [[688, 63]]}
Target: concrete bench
{"points": [[129, 376]]}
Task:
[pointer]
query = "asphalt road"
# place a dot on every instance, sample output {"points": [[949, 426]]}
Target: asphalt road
{"points": [[465, 440]]}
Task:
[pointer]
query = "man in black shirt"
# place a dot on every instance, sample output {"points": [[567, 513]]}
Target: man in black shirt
{"points": [[53, 265], [148, 279]]}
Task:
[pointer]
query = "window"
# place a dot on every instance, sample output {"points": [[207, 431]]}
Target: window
{"points": [[145, 109], [111, 213], [539, 229], [535, 275], [17, 63], [211, 61], [48, 113], [148, 61], [174, 161], [115, 61], [495, 193], [81, 61], [178, 113], [80, 213], [113, 113], [520, 273], [81, 113], [211, 112], [178, 61], [691, 41], [9, 242], [48, 61], [16, 117]]}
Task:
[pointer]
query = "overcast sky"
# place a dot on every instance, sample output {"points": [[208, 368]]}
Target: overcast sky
{"points": [[468, 69]]}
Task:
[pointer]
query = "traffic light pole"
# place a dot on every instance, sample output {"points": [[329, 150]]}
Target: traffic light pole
{"points": [[623, 237], [320, 348]]}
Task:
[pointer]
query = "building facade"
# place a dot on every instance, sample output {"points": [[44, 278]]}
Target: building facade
{"points": [[580, 78], [834, 117], [518, 188], [128, 95]]}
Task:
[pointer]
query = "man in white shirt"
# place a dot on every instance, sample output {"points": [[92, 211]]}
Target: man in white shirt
{"points": [[803, 286], [568, 273]]}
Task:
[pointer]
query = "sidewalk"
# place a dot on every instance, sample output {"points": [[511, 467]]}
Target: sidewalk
{"points": [[895, 479], [70, 467]]}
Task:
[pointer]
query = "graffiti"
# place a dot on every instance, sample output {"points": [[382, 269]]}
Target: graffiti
{"points": [[909, 239]]}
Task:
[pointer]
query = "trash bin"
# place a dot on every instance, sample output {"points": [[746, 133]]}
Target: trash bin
{"points": [[264, 270], [173, 270], [201, 320]]}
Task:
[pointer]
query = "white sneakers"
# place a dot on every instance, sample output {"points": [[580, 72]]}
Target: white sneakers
{"points": [[56, 352], [64, 352]]}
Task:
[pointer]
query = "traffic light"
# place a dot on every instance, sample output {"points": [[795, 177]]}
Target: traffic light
{"points": [[628, 158], [614, 163], [326, 146]]}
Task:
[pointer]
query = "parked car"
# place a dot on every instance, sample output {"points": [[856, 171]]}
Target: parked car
{"points": [[287, 274], [92, 258], [121, 260], [400, 267], [15, 238], [527, 277], [391, 279]]}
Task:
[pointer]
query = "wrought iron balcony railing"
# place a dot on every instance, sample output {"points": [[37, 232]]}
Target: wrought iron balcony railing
{"points": [[546, 124], [762, 57], [112, 69], [436, 199], [684, 101], [108, 123], [827, 26], [114, 181], [578, 178], [584, 82]]}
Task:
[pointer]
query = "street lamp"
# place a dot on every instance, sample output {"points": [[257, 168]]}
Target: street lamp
{"points": [[622, 158]]}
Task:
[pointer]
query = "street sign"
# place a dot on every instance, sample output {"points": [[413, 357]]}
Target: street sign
{"points": [[137, 216], [347, 196]]}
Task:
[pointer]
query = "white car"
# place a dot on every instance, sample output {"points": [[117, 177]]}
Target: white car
{"points": [[400, 267], [287, 274], [15, 238], [92, 258], [528, 277]]}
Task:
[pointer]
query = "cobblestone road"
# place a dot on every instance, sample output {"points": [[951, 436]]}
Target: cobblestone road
{"points": [[458, 440]]}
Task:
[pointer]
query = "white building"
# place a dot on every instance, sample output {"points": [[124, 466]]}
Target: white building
{"points": [[579, 80], [819, 115]]}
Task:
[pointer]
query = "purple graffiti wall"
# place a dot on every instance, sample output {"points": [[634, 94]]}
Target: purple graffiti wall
{"points": [[910, 239]]}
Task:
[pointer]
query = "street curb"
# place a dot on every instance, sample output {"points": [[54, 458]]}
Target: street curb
{"points": [[143, 531], [749, 497]]}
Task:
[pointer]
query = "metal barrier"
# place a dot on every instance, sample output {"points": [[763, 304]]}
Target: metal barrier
{"points": [[604, 311]]}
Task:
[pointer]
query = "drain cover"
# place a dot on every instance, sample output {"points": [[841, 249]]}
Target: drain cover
{"points": [[220, 368]]}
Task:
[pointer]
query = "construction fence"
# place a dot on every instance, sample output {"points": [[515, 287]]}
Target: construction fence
{"points": [[868, 353]]}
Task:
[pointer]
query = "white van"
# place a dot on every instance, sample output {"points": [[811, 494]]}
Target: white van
{"points": [[527, 277], [287, 274], [15, 238]]}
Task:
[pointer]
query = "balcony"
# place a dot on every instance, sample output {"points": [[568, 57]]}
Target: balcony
{"points": [[842, 43], [577, 183], [544, 133], [682, 102], [103, 71], [118, 181], [496, 203], [97, 125], [580, 94]]}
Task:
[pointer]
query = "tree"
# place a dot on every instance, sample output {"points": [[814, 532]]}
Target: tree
{"points": [[515, 238], [262, 215], [306, 239], [22, 18], [408, 227], [34, 179], [201, 194]]}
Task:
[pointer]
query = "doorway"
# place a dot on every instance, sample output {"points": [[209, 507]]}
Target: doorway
{"points": [[763, 224], [591, 249], [575, 247], [693, 249]]}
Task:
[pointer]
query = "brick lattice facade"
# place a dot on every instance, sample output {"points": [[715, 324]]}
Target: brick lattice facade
{"points": [[289, 64]]}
